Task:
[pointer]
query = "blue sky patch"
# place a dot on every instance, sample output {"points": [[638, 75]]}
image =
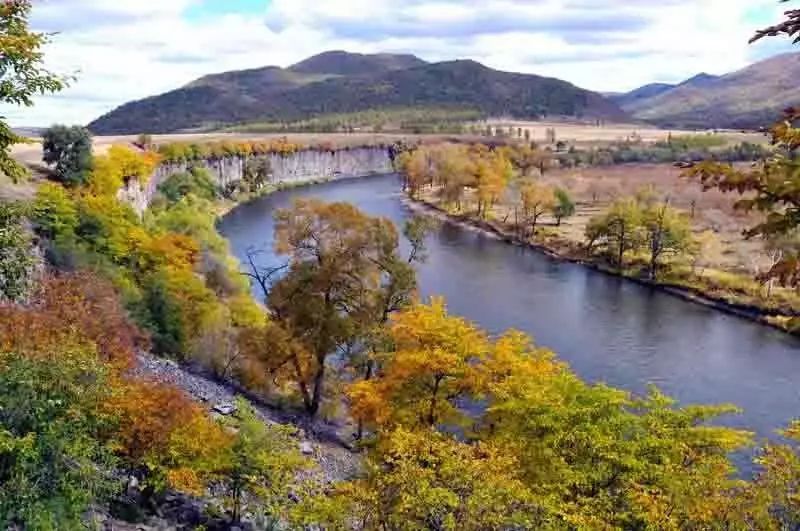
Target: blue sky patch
{"points": [[211, 8]]}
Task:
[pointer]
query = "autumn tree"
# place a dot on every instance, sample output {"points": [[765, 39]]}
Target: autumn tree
{"points": [[22, 75], [492, 171], [69, 151], [536, 199], [417, 229], [119, 166], [416, 169], [257, 173], [432, 366], [708, 249], [770, 502], [428, 480], [345, 274], [144, 141], [770, 186], [666, 232], [525, 159], [452, 170]]}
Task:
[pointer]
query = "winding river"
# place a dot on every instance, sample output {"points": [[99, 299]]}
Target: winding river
{"points": [[608, 329]]}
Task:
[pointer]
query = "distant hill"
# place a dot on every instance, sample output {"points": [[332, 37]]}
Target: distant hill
{"points": [[630, 99], [340, 82], [642, 97], [747, 99]]}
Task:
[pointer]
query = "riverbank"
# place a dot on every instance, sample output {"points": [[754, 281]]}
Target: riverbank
{"points": [[571, 253]]}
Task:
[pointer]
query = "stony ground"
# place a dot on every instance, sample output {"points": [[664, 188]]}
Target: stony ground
{"points": [[333, 460]]}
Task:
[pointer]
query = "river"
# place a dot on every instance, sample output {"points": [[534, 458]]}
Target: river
{"points": [[608, 329]]}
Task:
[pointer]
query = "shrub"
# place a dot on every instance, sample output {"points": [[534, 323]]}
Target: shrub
{"points": [[196, 181], [16, 254]]}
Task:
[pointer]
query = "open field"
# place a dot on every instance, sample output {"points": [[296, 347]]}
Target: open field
{"points": [[588, 134], [595, 188], [571, 133]]}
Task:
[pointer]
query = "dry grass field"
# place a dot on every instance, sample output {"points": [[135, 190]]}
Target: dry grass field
{"points": [[595, 188], [587, 134]]}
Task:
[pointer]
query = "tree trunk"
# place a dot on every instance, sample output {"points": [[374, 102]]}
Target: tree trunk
{"points": [[301, 383], [432, 409], [319, 381]]}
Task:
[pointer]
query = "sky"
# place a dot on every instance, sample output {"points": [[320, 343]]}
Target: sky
{"points": [[122, 50]]}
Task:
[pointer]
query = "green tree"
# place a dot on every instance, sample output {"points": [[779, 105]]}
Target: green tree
{"points": [[564, 207], [417, 230], [262, 465], [16, 254], [69, 150], [22, 75], [620, 229], [197, 181], [54, 213]]}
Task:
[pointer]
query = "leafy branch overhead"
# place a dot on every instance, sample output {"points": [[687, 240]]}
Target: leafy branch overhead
{"points": [[772, 185], [789, 27], [22, 75]]}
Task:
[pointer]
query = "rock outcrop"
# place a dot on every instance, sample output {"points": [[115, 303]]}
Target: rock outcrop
{"points": [[302, 166]]}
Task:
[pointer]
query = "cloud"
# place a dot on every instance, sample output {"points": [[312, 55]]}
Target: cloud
{"points": [[130, 49]]}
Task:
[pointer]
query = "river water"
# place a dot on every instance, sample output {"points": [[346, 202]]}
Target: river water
{"points": [[608, 329]]}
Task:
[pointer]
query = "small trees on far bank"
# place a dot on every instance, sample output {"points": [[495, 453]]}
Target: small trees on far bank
{"points": [[631, 226], [564, 207]]}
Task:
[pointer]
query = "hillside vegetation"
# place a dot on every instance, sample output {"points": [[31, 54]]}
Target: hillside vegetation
{"points": [[338, 82]]}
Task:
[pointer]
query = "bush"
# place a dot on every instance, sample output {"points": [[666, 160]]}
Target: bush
{"points": [[196, 181], [16, 254], [51, 465]]}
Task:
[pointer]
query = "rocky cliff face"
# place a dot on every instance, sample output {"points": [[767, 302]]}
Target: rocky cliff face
{"points": [[302, 166]]}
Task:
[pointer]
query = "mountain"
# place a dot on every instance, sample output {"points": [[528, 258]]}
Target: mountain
{"points": [[355, 64], [641, 97], [699, 80], [643, 93], [746, 99], [340, 82]]}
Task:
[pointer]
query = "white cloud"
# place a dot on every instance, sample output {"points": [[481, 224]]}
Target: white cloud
{"points": [[129, 49]]}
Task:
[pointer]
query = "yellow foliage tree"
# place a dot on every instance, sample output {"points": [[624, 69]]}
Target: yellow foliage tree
{"points": [[435, 362], [421, 480], [120, 165]]}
